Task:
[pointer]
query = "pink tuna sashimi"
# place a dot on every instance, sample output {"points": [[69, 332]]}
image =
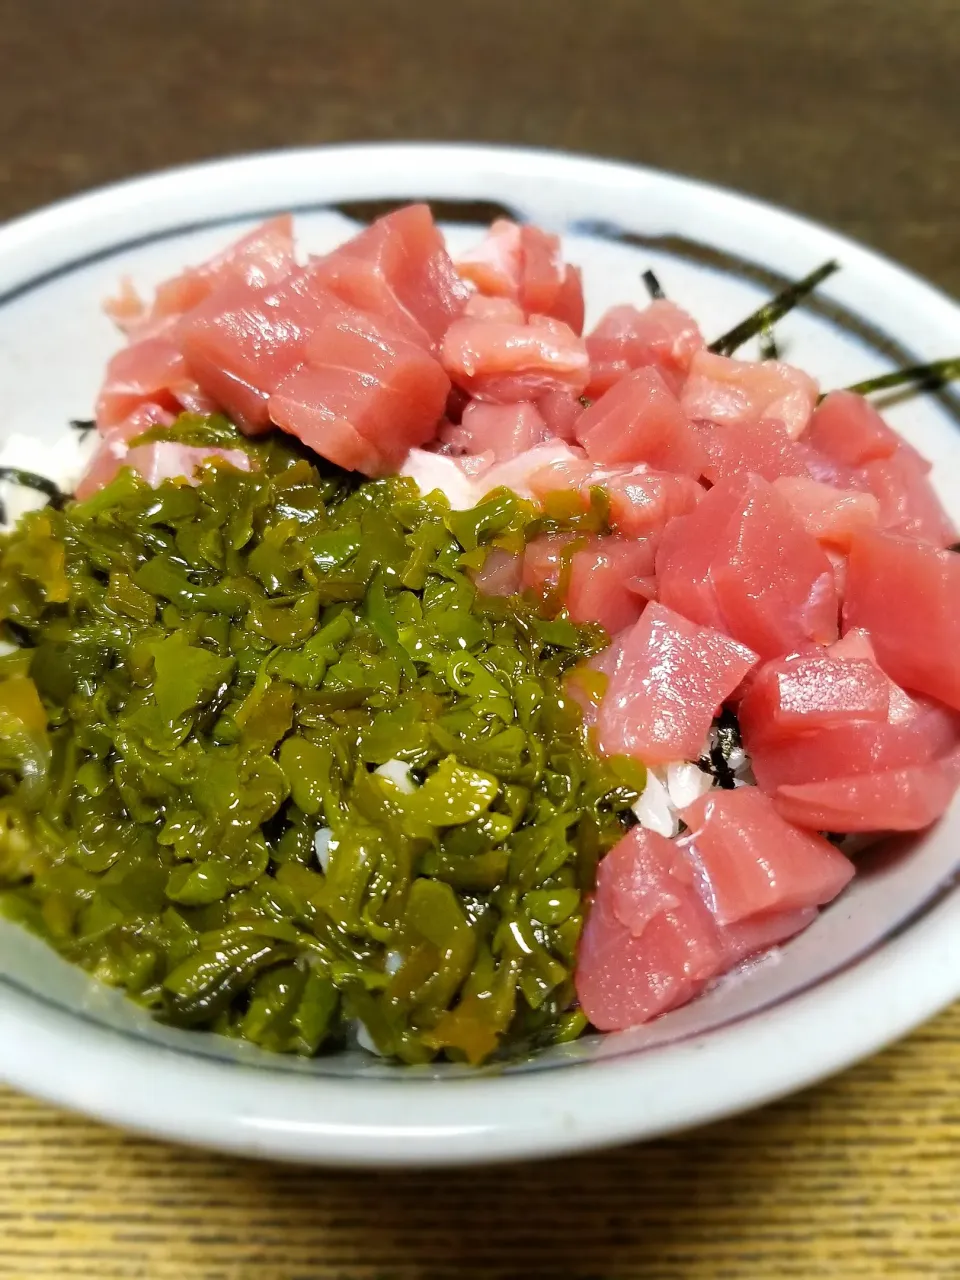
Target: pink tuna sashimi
{"points": [[504, 361], [848, 429], [398, 266], [760, 933], [640, 420], [560, 410], [505, 430], [150, 371], [649, 944], [158, 461], [571, 474], [360, 399], [908, 503], [259, 259], [809, 691], [832, 515], [662, 335], [545, 559], [762, 447], [643, 501], [526, 265], [733, 392], [754, 861], [493, 266], [907, 595], [599, 590], [742, 562], [907, 799], [114, 445], [670, 681]]}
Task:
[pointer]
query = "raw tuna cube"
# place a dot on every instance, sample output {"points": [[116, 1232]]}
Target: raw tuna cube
{"points": [[743, 563], [493, 265], [847, 428], [643, 501], [670, 681], [150, 371], [759, 933], [754, 861], [560, 410], [640, 420], [907, 799], [733, 392], [504, 361], [544, 561], [811, 691], [907, 595], [570, 475], [762, 447], [259, 259], [359, 385], [526, 265], [399, 263], [114, 445], [662, 335], [649, 944], [832, 515], [599, 584], [908, 504], [505, 430]]}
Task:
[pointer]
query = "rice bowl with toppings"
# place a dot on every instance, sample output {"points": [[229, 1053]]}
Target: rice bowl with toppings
{"points": [[421, 667]]}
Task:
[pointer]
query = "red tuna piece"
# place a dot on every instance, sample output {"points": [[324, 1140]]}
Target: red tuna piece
{"points": [[149, 371], [754, 861], [259, 259], [501, 574], [733, 392], [642, 501], [907, 595], [762, 447], [399, 264], [361, 399], [671, 678], [560, 410], [640, 420], [662, 334], [908, 503], [907, 799], [599, 585], [832, 515], [847, 428], [743, 563], [505, 430], [812, 691], [505, 361], [648, 944], [526, 265]]}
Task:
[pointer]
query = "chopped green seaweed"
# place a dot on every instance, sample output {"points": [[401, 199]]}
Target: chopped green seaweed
{"points": [[207, 680]]}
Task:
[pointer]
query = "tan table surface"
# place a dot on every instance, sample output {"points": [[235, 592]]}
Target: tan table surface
{"points": [[844, 109]]}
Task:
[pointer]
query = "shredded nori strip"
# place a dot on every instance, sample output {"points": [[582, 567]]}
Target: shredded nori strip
{"points": [[83, 425], [214, 674], [767, 315], [768, 346], [30, 480], [922, 377], [654, 287], [726, 732]]}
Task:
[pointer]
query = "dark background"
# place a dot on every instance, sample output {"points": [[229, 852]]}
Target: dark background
{"points": [[846, 110]]}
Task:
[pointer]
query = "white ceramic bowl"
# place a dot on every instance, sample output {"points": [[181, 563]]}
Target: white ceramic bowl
{"points": [[877, 962]]}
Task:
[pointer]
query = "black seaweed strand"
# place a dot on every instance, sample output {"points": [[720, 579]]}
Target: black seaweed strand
{"points": [[654, 287], [767, 315]]}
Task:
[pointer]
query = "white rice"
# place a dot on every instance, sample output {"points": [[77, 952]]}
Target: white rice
{"points": [[63, 461]]}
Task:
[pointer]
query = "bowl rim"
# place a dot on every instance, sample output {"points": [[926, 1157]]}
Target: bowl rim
{"points": [[571, 1107]]}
